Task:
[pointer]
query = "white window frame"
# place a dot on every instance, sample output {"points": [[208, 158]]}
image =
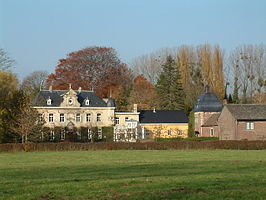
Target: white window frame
{"points": [[62, 134], [117, 120], [100, 133], [88, 117], [78, 117], [89, 134], [49, 101], [87, 102], [41, 117], [62, 117], [98, 117], [50, 117], [79, 134], [52, 136], [250, 126]]}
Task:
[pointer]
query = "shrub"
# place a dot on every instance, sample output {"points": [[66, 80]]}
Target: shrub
{"points": [[170, 145]]}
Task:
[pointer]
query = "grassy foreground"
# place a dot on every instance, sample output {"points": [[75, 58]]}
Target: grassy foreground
{"points": [[206, 174]]}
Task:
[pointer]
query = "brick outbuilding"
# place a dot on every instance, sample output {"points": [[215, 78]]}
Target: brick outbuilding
{"points": [[242, 122]]}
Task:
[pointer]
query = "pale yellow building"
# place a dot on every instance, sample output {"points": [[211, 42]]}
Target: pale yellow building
{"points": [[72, 110]]}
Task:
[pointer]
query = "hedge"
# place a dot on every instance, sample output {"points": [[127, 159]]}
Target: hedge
{"points": [[171, 145]]}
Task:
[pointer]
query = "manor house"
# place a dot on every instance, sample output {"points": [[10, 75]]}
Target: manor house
{"points": [[71, 110]]}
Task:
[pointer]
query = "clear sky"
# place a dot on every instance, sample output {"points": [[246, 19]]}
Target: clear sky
{"points": [[37, 33]]}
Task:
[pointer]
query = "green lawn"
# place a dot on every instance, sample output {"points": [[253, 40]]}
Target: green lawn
{"points": [[205, 174]]}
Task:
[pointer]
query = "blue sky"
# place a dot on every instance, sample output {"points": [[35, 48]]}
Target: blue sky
{"points": [[37, 33]]}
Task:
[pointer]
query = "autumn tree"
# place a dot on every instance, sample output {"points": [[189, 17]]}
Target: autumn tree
{"points": [[34, 82], [97, 68], [211, 62], [5, 61], [142, 93], [9, 101], [191, 75], [169, 91]]}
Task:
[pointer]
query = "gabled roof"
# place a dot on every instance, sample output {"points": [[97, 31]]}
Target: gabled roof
{"points": [[247, 111], [57, 98], [163, 116], [212, 121]]}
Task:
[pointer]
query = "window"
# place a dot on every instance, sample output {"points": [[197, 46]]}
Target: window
{"points": [[98, 119], [87, 102], [78, 118], [51, 136], [130, 125], [88, 117], [51, 117], [116, 120], [49, 101], [211, 132], [100, 135], [40, 117], [70, 101], [78, 134], [169, 133], [179, 132], [126, 118], [250, 125], [62, 117], [89, 133], [62, 134]]}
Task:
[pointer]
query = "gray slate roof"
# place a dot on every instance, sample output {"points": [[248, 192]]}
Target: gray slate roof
{"points": [[212, 121], [163, 116], [208, 102], [57, 98], [248, 111]]}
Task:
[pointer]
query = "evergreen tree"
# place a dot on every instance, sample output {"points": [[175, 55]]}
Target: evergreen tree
{"points": [[169, 91]]}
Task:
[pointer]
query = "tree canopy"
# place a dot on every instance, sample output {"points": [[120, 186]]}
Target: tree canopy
{"points": [[97, 68]]}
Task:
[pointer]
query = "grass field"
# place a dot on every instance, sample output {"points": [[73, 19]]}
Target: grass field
{"points": [[206, 174]]}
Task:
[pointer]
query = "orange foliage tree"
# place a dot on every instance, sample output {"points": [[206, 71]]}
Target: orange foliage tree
{"points": [[96, 68], [142, 93]]}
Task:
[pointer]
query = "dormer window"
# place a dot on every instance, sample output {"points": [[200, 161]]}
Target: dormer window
{"points": [[70, 101], [49, 101], [87, 102]]}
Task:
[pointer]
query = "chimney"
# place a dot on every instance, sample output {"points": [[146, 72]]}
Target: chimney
{"points": [[135, 108], [207, 89], [79, 90], [225, 101], [50, 88]]}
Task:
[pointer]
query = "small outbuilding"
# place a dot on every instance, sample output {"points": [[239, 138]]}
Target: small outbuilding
{"points": [[242, 122]]}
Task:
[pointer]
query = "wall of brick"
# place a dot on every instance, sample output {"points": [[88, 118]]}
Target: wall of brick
{"points": [[206, 131], [227, 125], [200, 119], [258, 133]]}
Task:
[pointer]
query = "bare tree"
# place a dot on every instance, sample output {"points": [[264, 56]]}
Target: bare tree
{"points": [[150, 65], [28, 123], [34, 82], [249, 64], [5, 61]]}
